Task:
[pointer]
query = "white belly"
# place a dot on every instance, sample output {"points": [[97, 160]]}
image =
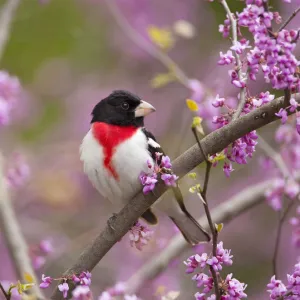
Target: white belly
{"points": [[129, 160]]}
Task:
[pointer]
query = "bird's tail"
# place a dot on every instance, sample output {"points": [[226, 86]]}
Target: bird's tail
{"points": [[191, 229]]}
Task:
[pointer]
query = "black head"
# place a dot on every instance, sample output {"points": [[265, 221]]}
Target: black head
{"points": [[122, 108]]}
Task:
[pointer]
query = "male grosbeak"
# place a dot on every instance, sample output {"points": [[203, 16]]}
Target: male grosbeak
{"points": [[118, 148]]}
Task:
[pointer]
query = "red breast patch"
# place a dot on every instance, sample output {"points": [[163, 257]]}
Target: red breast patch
{"points": [[110, 136]]}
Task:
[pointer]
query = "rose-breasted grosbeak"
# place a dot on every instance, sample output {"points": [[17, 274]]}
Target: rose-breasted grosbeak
{"points": [[118, 148]]}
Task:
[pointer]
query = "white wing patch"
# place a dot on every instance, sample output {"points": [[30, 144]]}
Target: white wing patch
{"points": [[153, 144]]}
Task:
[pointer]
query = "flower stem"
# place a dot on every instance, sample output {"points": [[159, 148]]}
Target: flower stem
{"points": [[202, 196], [292, 16], [282, 217], [234, 30]]}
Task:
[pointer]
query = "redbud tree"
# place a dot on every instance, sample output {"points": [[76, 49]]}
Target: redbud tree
{"points": [[261, 46]]}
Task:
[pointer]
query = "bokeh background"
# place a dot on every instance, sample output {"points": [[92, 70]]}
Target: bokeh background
{"points": [[68, 55]]}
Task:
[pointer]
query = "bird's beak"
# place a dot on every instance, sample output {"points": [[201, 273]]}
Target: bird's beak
{"points": [[144, 109]]}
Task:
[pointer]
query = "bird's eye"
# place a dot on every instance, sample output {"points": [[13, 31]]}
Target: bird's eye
{"points": [[125, 105]]}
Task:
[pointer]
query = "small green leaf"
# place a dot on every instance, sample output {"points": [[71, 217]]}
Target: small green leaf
{"points": [[219, 227], [192, 175], [197, 123], [161, 37], [192, 105], [219, 156], [29, 278], [195, 188]]}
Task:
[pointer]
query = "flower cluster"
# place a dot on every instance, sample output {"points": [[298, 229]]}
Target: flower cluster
{"points": [[83, 281], [139, 235], [243, 148], [278, 290], [231, 287], [18, 171], [273, 54], [161, 166], [272, 51], [118, 290], [279, 188], [39, 253], [10, 89], [283, 113]]}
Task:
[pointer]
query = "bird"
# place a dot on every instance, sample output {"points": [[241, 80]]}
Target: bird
{"points": [[117, 149]]}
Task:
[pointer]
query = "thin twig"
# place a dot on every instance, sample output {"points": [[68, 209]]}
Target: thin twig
{"points": [[281, 220], [293, 15], [6, 17], [185, 163], [203, 198], [13, 236], [243, 97], [6, 295], [152, 50], [287, 96]]}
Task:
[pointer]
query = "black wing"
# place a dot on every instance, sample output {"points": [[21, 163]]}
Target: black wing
{"points": [[153, 146]]}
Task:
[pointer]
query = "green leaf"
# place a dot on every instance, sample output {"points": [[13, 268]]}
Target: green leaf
{"points": [[161, 37], [192, 175], [219, 156], [195, 189], [197, 123], [219, 227], [192, 105]]}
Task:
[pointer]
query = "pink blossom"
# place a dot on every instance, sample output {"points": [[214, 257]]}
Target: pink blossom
{"points": [[46, 281], [227, 168], [82, 292], [64, 288], [219, 102], [18, 171], [238, 47], [283, 115], [298, 122], [169, 179], [276, 288], [226, 59], [198, 90], [239, 83], [235, 288], [139, 235]]}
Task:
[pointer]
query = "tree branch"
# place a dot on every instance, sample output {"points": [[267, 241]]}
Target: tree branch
{"points": [[6, 17], [10, 227], [12, 233], [212, 143]]}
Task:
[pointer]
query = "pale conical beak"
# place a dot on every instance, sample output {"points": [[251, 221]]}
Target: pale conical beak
{"points": [[144, 109]]}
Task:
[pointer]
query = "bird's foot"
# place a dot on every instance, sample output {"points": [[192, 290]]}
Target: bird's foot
{"points": [[111, 220]]}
